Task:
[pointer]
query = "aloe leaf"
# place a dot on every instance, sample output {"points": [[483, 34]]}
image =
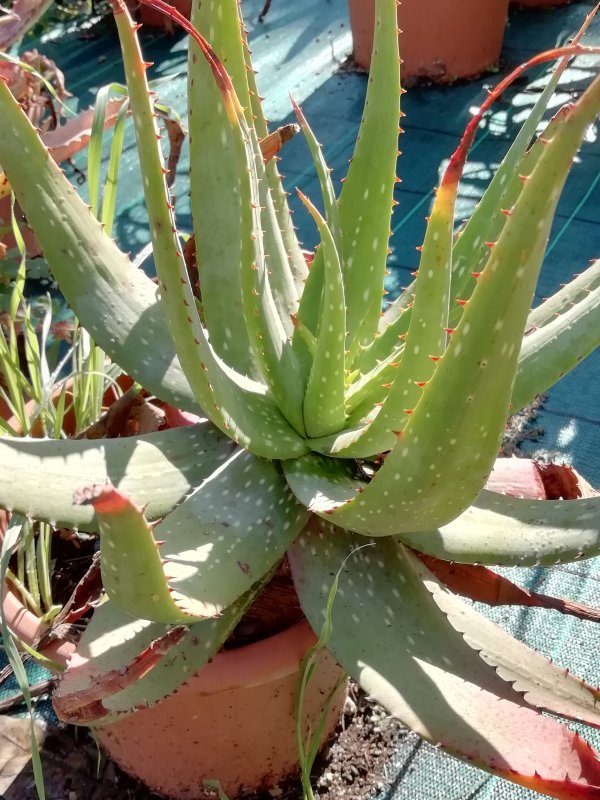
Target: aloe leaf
{"points": [[297, 262], [224, 537], [278, 362], [543, 684], [512, 531], [436, 683], [156, 470], [108, 653], [457, 425], [365, 203], [324, 410], [220, 218], [323, 173], [569, 294], [487, 220], [483, 585], [370, 389], [569, 331], [388, 337], [115, 302], [126, 539], [279, 233], [176, 294], [219, 209], [427, 332], [233, 403]]}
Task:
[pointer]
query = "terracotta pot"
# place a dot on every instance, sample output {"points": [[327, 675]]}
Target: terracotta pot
{"points": [[233, 722], [27, 628], [23, 623], [440, 41]]}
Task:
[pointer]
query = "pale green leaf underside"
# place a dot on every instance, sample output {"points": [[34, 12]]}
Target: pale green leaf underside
{"points": [[434, 683], [228, 534], [113, 639], [512, 531], [156, 470]]}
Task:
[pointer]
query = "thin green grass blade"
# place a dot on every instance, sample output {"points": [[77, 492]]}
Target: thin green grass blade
{"points": [[109, 198], [10, 542], [116, 302]]}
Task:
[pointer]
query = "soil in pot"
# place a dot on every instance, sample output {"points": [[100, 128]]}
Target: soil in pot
{"points": [[439, 41]]}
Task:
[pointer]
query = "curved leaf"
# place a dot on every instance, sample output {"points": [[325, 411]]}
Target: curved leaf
{"points": [[157, 470], [105, 677], [390, 634], [511, 531]]}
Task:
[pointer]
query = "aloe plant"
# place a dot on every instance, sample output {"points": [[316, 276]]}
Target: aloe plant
{"points": [[323, 421]]}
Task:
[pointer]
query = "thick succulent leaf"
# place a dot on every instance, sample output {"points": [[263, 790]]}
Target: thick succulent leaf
{"points": [[228, 398], [486, 223], [104, 679], [485, 586], [387, 340], [156, 470], [215, 196], [402, 650], [226, 536], [229, 533], [572, 293], [277, 360], [544, 684], [365, 203], [116, 303], [511, 531], [370, 388], [221, 211], [132, 570], [573, 332], [487, 220], [332, 215], [427, 332], [457, 425], [324, 410], [287, 285]]}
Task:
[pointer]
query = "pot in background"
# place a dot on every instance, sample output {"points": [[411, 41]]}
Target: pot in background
{"points": [[439, 41]]}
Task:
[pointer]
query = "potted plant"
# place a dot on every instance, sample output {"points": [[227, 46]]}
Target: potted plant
{"points": [[355, 445], [439, 42]]}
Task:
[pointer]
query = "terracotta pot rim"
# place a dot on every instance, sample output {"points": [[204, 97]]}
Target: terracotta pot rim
{"points": [[26, 627], [244, 667]]}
